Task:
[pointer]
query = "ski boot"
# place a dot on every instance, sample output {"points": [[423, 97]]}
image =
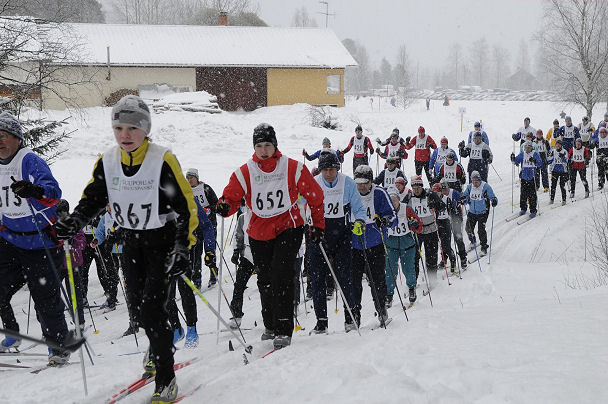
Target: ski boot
{"points": [[389, 301], [551, 201], [149, 366], [522, 212], [453, 266], [197, 282], [165, 394], [571, 195], [130, 331], [267, 334], [8, 343], [211, 283], [463, 264], [600, 187], [330, 293], [348, 327], [235, 322], [320, 328], [412, 294], [308, 295], [484, 250], [178, 335], [384, 319], [532, 214], [108, 306], [563, 202], [281, 341], [58, 359], [586, 193], [191, 338]]}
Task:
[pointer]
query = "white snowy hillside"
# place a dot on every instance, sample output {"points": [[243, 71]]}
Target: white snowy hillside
{"points": [[530, 327]]}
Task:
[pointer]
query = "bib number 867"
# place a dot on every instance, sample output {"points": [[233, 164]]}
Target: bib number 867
{"points": [[272, 199], [132, 217]]}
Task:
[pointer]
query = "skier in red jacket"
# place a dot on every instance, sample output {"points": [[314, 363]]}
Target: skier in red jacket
{"points": [[423, 144], [271, 184]]}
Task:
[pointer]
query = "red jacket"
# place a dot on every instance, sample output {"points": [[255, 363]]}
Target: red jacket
{"points": [[367, 145], [422, 154], [579, 165], [264, 229]]}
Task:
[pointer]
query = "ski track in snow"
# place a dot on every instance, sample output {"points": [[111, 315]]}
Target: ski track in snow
{"points": [[514, 333]]}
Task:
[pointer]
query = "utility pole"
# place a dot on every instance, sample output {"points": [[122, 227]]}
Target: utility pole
{"points": [[326, 13]]}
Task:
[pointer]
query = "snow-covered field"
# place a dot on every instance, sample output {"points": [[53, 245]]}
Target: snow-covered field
{"points": [[511, 333]]}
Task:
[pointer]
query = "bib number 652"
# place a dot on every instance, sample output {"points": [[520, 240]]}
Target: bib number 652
{"points": [[272, 199]]}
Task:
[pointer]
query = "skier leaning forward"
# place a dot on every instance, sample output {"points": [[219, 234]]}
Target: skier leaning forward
{"points": [[154, 206], [271, 183]]}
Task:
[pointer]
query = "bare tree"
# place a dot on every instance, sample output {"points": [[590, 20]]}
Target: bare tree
{"points": [[478, 60], [357, 78], [523, 56], [302, 19], [576, 33], [500, 65], [402, 75], [56, 10], [454, 63]]}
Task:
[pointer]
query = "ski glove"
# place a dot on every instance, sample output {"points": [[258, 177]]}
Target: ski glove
{"points": [[222, 208], [512, 156], [210, 259], [461, 144], [94, 243], [235, 257], [378, 150], [303, 152], [358, 227], [407, 139], [413, 223], [494, 202], [177, 262], [316, 234], [66, 228], [381, 221], [26, 189], [533, 160], [378, 140]]}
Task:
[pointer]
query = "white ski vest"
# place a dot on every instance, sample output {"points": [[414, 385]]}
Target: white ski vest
{"points": [[390, 177], [444, 213], [476, 151], [578, 155], [526, 163], [368, 203], [11, 205], [541, 147], [449, 172], [421, 207], [333, 198], [134, 200], [269, 191], [441, 157], [476, 193], [393, 150], [421, 142], [199, 195], [402, 227], [584, 132], [359, 145], [569, 132], [602, 142]]}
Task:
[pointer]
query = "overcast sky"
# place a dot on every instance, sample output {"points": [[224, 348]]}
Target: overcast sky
{"points": [[426, 27]]}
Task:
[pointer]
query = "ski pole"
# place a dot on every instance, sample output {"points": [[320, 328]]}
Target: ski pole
{"points": [[304, 294], [368, 271], [424, 271], [68, 261], [227, 235], [225, 262], [230, 307], [248, 348], [474, 240], [512, 187], [70, 345], [333, 274], [492, 165], [445, 264], [29, 306], [96, 331], [491, 235], [219, 291], [390, 266]]}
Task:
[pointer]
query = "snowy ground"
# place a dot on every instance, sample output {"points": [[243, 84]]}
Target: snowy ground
{"points": [[513, 333]]}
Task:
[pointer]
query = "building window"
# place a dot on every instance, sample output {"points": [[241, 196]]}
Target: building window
{"points": [[333, 84]]}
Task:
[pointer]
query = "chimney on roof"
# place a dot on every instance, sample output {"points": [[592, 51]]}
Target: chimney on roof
{"points": [[223, 19]]}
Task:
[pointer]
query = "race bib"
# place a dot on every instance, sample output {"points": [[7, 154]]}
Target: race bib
{"points": [[269, 191]]}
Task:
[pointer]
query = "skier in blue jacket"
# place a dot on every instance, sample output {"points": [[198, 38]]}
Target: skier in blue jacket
{"points": [[530, 161], [478, 195], [569, 133], [477, 128], [558, 164], [367, 245], [439, 156], [326, 148]]}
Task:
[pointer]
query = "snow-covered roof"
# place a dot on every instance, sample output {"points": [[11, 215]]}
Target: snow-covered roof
{"points": [[190, 45]]}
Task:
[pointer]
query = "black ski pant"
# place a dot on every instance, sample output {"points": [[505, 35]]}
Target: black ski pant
{"points": [[196, 253], [458, 237], [376, 278], [430, 243], [582, 172], [602, 173], [479, 221], [274, 260], [445, 235], [188, 303], [109, 280], [338, 247], [34, 265], [7, 315], [144, 256], [88, 255], [421, 166], [541, 173], [527, 194], [357, 161], [562, 178], [243, 273]]}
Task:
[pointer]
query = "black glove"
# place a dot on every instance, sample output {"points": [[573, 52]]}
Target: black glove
{"points": [[562, 154], [26, 189], [494, 202], [407, 139], [235, 257], [381, 221], [177, 262], [586, 162], [378, 140], [463, 197], [512, 156], [370, 152], [222, 208], [66, 228], [533, 160], [461, 144], [316, 234], [378, 150], [485, 154], [210, 259], [413, 223]]}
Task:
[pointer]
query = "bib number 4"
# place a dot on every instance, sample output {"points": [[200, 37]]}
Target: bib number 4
{"points": [[133, 218]]}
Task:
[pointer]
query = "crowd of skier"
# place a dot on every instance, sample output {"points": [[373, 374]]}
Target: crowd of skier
{"points": [[149, 228]]}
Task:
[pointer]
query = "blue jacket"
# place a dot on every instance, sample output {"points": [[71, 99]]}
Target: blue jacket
{"points": [[484, 137], [437, 167], [37, 171], [383, 207], [478, 207], [316, 155], [205, 228], [568, 143], [527, 173], [101, 233], [558, 164], [351, 197]]}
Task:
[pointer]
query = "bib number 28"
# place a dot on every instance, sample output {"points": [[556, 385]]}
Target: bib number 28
{"points": [[272, 199], [132, 217]]}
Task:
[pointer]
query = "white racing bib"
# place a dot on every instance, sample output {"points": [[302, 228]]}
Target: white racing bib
{"points": [[333, 198], [441, 156], [134, 200], [421, 142], [199, 195], [421, 207], [526, 163], [449, 172], [393, 150], [476, 193], [402, 227], [359, 145], [578, 155], [390, 177], [602, 142], [444, 213], [11, 205], [269, 191], [476, 151], [541, 147], [368, 203], [569, 132]]}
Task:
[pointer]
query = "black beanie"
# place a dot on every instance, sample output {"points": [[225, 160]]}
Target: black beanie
{"points": [[328, 160], [264, 133]]}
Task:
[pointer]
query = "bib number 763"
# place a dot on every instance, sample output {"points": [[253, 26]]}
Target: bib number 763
{"points": [[132, 217]]}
